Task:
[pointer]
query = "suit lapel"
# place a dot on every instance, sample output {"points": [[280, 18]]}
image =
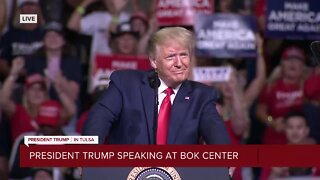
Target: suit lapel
{"points": [[148, 99], [178, 112]]}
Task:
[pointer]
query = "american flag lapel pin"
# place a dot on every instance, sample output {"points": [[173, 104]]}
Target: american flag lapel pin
{"points": [[187, 98]]}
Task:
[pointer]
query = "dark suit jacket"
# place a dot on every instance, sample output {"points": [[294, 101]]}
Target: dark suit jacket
{"points": [[125, 113]]}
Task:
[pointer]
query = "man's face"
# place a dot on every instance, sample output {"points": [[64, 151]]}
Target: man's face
{"points": [[296, 130], [172, 61]]}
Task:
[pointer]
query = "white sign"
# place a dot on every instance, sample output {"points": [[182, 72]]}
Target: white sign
{"points": [[212, 74], [28, 18], [60, 140]]}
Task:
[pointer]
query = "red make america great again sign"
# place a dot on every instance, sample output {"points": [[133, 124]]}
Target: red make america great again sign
{"points": [[181, 12]]}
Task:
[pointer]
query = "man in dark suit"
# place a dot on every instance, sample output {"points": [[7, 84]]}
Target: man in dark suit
{"points": [[125, 112]]}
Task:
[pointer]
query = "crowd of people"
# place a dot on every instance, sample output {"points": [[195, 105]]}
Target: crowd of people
{"points": [[45, 72]]}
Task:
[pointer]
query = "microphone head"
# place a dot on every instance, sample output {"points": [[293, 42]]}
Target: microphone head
{"points": [[315, 48], [154, 81]]}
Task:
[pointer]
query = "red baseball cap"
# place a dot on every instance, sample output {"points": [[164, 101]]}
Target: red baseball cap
{"points": [[33, 79], [49, 113], [293, 52]]}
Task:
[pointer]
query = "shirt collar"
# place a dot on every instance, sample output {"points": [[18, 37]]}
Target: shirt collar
{"points": [[163, 87]]}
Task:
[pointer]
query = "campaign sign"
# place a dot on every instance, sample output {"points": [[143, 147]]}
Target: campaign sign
{"points": [[212, 74], [225, 35], [106, 64], [293, 19], [181, 12]]}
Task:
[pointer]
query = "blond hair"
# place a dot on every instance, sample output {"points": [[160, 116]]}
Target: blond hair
{"points": [[164, 35]]}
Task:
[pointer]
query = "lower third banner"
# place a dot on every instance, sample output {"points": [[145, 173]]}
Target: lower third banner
{"points": [[169, 155]]}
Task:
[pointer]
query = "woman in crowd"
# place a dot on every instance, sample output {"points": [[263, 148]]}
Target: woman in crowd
{"points": [[238, 97], [55, 62], [283, 95], [22, 116]]}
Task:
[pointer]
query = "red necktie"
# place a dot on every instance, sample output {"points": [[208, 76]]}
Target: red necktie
{"points": [[164, 117]]}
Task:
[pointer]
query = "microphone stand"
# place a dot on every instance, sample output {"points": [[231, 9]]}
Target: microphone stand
{"points": [[154, 83], [155, 117]]}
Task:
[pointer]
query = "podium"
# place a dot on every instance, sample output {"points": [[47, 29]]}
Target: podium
{"points": [[165, 173]]}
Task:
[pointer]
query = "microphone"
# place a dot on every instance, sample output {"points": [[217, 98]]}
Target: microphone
{"points": [[153, 78], [154, 83], [315, 48]]}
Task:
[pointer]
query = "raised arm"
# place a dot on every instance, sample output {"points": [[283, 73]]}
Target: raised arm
{"points": [[239, 112], [6, 103], [74, 21], [253, 90], [69, 106], [143, 43], [70, 88]]}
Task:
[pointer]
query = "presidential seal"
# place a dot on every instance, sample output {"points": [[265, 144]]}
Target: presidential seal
{"points": [[153, 173]]}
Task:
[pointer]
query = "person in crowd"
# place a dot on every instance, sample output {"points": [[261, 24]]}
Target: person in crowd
{"points": [[125, 112], [312, 102], [42, 174], [232, 109], [236, 98], [5, 147], [232, 6], [98, 24], [297, 130], [50, 123], [282, 96], [22, 40], [140, 23], [260, 12], [22, 116], [124, 40], [239, 96], [100, 84], [235, 138], [55, 62]]}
